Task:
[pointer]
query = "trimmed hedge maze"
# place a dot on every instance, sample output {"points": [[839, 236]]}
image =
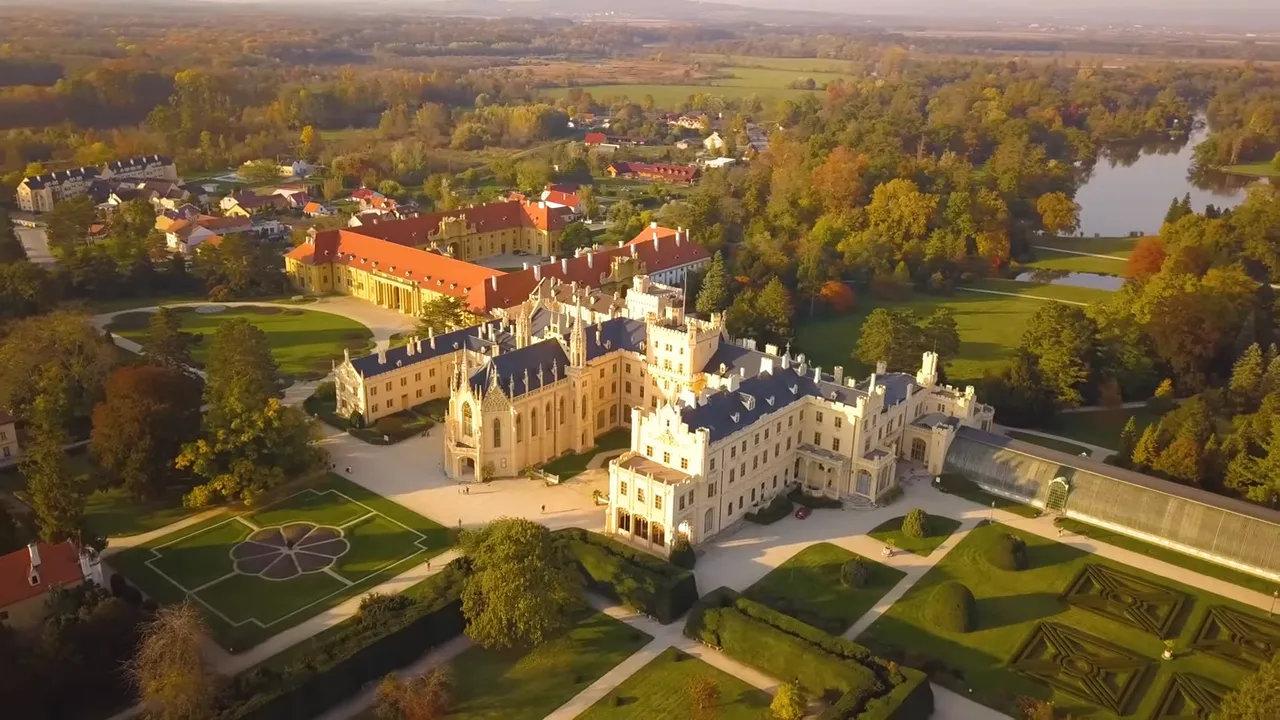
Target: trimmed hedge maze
{"points": [[1126, 599], [643, 582], [1189, 696], [1082, 665], [1231, 635]]}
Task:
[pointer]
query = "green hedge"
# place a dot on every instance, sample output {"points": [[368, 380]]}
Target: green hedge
{"points": [[825, 665], [778, 508], [645, 583], [339, 663], [817, 502]]}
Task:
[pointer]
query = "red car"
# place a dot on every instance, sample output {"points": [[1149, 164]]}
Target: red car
{"points": [[802, 512]]}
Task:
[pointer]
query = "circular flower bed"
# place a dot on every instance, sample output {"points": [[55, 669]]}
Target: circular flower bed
{"points": [[286, 551]]}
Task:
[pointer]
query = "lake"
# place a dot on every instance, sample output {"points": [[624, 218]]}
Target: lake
{"points": [[1130, 188]]}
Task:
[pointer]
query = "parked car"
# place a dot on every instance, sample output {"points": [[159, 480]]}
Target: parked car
{"points": [[802, 512]]}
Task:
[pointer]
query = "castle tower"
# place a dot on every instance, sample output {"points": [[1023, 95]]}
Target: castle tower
{"points": [[524, 333], [928, 375], [578, 338]]}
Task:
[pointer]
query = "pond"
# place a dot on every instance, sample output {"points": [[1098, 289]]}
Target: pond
{"points": [[1094, 281], [1130, 187]]}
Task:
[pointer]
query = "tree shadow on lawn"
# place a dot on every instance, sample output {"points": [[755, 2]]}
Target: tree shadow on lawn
{"points": [[995, 612], [1048, 554]]}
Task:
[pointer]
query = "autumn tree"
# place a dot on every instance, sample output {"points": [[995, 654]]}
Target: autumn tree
{"points": [[1062, 338], [790, 702], [519, 593], [838, 180], [1254, 698], [1059, 214], [1245, 385], [148, 414], [1019, 393], [423, 697], [1146, 259], [704, 695], [67, 349], [309, 142], [837, 296], [174, 680], [165, 344]]}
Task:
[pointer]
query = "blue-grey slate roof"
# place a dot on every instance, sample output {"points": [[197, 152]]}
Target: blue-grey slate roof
{"points": [[615, 334], [510, 368], [445, 343]]}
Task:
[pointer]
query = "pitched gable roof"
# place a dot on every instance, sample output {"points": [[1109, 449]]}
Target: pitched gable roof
{"points": [[59, 565]]}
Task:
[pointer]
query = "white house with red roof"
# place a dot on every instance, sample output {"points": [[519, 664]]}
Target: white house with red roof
{"points": [[27, 576]]}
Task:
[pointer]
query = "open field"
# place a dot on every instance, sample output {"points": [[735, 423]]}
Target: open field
{"points": [[1116, 247], [791, 65], [990, 326], [257, 573], [303, 342], [807, 587], [768, 83], [1102, 427], [523, 684], [1066, 262], [1087, 659], [1258, 169], [660, 692]]}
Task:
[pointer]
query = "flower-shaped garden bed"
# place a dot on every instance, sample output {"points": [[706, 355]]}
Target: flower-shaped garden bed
{"points": [[286, 551]]}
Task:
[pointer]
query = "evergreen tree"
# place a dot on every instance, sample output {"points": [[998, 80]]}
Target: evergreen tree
{"points": [[11, 249], [1174, 212], [1182, 459], [941, 335], [1211, 463], [1162, 401], [1258, 479], [1147, 450], [1246, 377], [1271, 378], [889, 335], [165, 344], [1128, 441], [713, 296], [241, 372], [775, 309], [1254, 698], [55, 496]]}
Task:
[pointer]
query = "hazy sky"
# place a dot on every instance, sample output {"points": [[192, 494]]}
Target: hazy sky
{"points": [[1092, 11]]}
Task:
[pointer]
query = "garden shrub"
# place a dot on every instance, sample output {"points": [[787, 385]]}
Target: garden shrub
{"points": [[916, 523], [333, 666], [854, 573], [778, 508], [682, 555], [952, 608], [1007, 552], [890, 496], [816, 502], [643, 582]]}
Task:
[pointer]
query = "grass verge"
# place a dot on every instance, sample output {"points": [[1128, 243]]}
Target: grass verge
{"points": [[660, 691], [890, 532], [807, 587]]}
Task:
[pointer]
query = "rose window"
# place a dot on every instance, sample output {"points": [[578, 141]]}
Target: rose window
{"points": [[286, 551]]}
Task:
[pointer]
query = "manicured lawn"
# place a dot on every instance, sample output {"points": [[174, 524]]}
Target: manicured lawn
{"points": [[1043, 290], [566, 466], [1173, 557], [303, 342], [529, 684], [1010, 605], [1116, 247], [660, 692], [1062, 445], [1066, 262], [386, 430], [1258, 169], [967, 489], [1101, 427], [808, 588], [380, 540], [890, 532]]}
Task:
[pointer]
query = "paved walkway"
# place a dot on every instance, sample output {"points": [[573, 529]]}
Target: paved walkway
{"points": [[1021, 295], [1118, 260], [116, 544], [1096, 452]]}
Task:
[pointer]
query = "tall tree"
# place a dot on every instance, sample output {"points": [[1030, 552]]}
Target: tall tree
{"points": [[714, 295], [1059, 214], [424, 697], [1146, 259], [773, 304], [441, 314], [67, 226], [56, 497], [519, 593], [64, 345], [1246, 378], [1147, 451], [166, 344], [174, 680], [11, 248], [1063, 337], [148, 414], [241, 374], [1019, 392], [889, 335], [837, 181], [1128, 441], [939, 334]]}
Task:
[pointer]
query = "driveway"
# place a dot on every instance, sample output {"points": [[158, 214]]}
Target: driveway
{"points": [[36, 243]]}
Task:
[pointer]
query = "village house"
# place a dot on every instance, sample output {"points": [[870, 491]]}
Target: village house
{"points": [[10, 450], [27, 576], [713, 142], [666, 172], [184, 236]]}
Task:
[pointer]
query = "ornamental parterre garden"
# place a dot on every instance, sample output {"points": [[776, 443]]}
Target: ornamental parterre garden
{"points": [[1074, 628], [259, 572]]}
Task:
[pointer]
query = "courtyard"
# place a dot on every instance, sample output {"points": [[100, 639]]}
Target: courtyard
{"points": [[304, 343], [259, 572]]}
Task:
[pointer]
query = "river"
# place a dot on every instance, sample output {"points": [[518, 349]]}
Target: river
{"points": [[1130, 188]]}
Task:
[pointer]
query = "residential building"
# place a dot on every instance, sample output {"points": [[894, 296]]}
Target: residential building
{"points": [[10, 450], [713, 142], [27, 576], [39, 192], [184, 236], [717, 163], [667, 172], [246, 203], [476, 232], [316, 209], [740, 426]]}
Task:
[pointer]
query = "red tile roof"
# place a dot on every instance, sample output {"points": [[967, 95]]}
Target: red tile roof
{"points": [[661, 171], [595, 138], [655, 248], [561, 197], [428, 270], [59, 565], [419, 230]]}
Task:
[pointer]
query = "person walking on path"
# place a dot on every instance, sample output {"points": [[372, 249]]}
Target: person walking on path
{"points": [[544, 509]]}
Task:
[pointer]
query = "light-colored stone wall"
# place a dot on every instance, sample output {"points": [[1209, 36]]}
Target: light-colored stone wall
{"points": [[9, 448]]}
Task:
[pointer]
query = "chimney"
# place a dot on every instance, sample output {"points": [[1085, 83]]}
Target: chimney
{"points": [[634, 250], [431, 333], [346, 355], [839, 374], [817, 374], [657, 242], [525, 264], [591, 260], [653, 224], [418, 344], [871, 385], [493, 282], [882, 367], [564, 265], [33, 573], [433, 340], [382, 356]]}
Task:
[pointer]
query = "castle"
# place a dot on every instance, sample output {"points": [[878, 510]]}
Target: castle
{"points": [[717, 426]]}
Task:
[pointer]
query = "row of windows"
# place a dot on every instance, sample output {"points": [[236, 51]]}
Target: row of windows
{"points": [[657, 499]]}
